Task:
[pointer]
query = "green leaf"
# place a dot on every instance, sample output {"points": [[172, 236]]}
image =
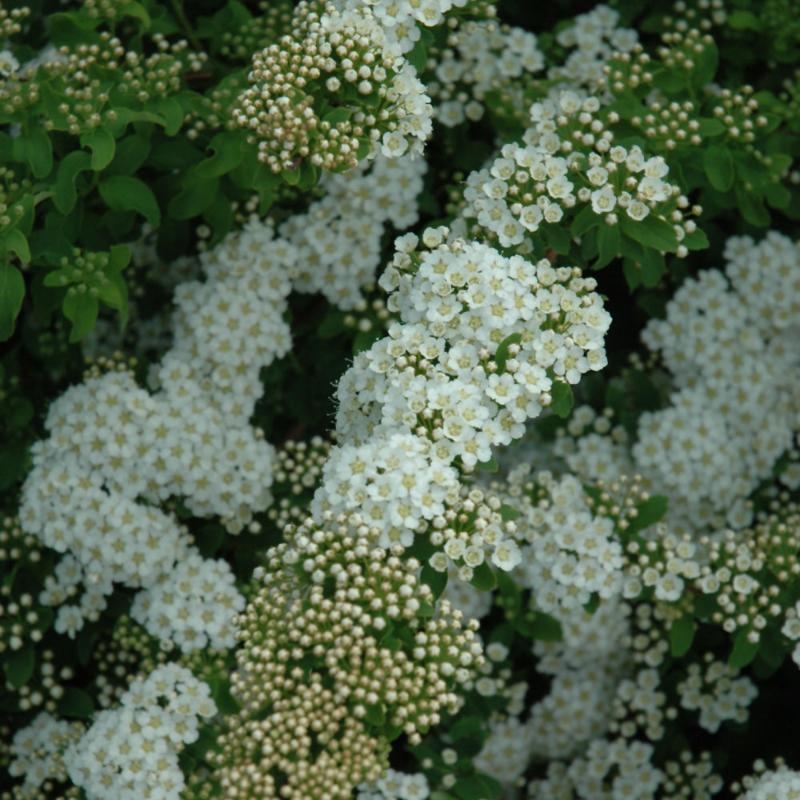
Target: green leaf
{"points": [[718, 166], [744, 21], [15, 242], [650, 232], [124, 193], [221, 694], [433, 578], [64, 193], [466, 727], [364, 340], [478, 787], [229, 150], [609, 240], [501, 354], [119, 257], [291, 176], [777, 195], [19, 666], [563, 399], [681, 635], [648, 513], [418, 55], [34, 148], [376, 715], [488, 466], [172, 111], [483, 577], [545, 628], [705, 66], [584, 221], [103, 146], [711, 127], [509, 513], [752, 207], [558, 238], [628, 105], [337, 115], [137, 11], [696, 240], [76, 703], [653, 267], [71, 27], [12, 292], [195, 197], [743, 651], [80, 308]]}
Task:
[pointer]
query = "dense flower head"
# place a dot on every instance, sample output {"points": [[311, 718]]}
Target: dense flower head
{"points": [[193, 605], [726, 339], [132, 751], [338, 239], [481, 342], [568, 163], [346, 52], [37, 750], [341, 646], [480, 57], [780, 783], [395, 785], [86, 81], [594, 38], [571, 552], [717, 692], [114, 446]]}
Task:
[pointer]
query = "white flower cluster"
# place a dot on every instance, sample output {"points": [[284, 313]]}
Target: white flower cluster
{"points": [[506, 750], [481, 56], [569, 553], [193, 605], [131, 752], [616, 768], [8, 63], [481, 342], [568, 158], [593, 448], [729, 341], [396, 480], [717, 692], [586, 666], [37, 750], [775, 784], [338, 239], [396, 785], [596, 38], [348, 57], [471, 602], [116, 451], [400, 18], [411, 106]]}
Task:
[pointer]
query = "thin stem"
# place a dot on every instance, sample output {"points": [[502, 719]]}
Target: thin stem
{"points": [[183, 21]]}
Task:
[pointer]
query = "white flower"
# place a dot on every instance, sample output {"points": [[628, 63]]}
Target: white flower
{"points": [[603, 200], [637, 210], [506, 555], [8, 63]]}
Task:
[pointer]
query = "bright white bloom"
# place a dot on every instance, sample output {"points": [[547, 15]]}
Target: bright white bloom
{"points": [[37, 750], [131, 752]]}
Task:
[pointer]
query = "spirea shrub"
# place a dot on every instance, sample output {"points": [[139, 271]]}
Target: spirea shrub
{"points": [[399, 400]]}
